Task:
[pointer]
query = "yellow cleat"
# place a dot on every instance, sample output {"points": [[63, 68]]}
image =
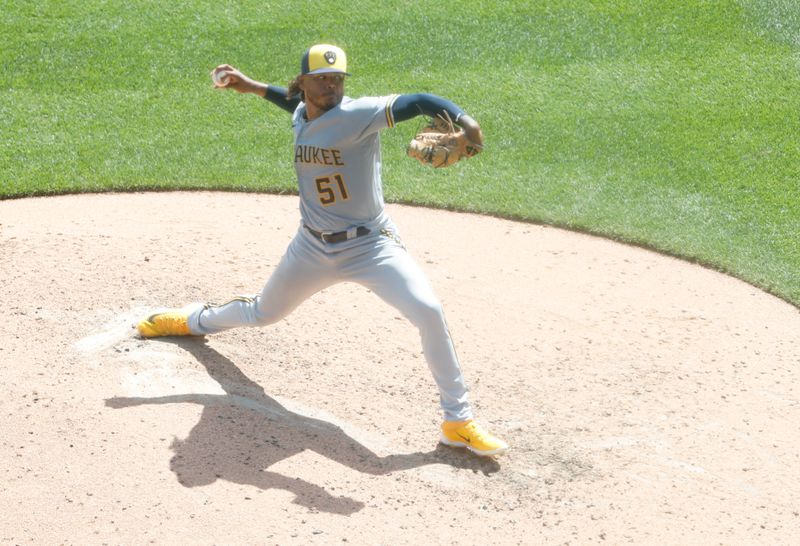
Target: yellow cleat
{"points": [[170, 323], [472, 436]]}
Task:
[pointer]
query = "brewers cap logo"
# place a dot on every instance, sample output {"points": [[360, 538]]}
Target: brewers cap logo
{"points": [[330, 57]]}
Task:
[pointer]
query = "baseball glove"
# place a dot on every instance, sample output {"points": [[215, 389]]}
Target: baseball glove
{"points": [[438, 144]]}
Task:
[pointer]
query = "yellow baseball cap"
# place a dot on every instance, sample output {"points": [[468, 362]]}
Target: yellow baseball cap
{"points": [[322, 58]]}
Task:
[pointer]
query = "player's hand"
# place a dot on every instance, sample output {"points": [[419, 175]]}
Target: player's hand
{"points": [[473, 132], [237, 81]]}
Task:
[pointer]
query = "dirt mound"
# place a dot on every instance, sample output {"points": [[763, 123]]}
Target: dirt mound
{"points": [[645, 399]]}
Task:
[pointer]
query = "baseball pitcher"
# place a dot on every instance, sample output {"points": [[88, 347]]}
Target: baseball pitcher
{"points": [[345, 233]]}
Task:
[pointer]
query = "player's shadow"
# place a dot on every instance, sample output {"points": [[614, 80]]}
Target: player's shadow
{"points": [[243, 432]]}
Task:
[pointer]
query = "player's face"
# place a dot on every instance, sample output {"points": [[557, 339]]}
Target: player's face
{"points": [[324, 91]]}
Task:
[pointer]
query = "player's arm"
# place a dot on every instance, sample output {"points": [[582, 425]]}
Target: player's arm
{"points": [[244, 84], [280, 97], [406, 107]]}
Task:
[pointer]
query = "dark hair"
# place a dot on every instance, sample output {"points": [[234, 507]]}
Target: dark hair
{"points": [[294, 89]]}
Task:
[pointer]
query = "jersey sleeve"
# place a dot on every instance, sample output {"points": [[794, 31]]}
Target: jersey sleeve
{"points": [[418, 104], [369, 115], [279, 96]]}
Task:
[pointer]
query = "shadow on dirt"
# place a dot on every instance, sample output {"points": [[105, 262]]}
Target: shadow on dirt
{"points": [[242, 433]]}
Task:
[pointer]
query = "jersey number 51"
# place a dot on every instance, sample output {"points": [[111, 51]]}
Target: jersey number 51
{"points": [[327, 187]]}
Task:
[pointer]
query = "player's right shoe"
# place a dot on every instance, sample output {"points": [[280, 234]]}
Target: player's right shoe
{"points": [[472, 436], [168, 323]]}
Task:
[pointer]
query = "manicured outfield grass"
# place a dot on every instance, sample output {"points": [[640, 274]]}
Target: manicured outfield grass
{"points": [[671, 124]]}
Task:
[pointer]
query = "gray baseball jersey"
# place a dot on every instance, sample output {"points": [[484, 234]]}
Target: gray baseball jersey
{"points": [[337, 157]]}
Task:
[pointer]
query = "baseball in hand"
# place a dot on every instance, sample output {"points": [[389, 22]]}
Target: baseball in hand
{"points": [[221, 78]]}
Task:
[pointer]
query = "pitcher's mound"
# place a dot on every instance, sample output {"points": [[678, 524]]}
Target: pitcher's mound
{"points": [[646, 400]]}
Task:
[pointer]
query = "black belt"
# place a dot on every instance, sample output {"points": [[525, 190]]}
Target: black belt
{"points": [[339, 236]]}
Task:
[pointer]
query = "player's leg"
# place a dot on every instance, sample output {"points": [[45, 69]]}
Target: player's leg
{"points": [[301, 273], [396, 278], [392, 274]]}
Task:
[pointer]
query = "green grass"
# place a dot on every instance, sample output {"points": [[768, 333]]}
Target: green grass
{"points": [[669, 124]]}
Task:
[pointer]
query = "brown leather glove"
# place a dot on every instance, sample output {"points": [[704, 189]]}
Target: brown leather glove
{"points": [[439, 144]]}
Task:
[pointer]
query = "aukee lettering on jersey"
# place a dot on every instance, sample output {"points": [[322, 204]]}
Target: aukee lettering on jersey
{"points": [[320, 156]]}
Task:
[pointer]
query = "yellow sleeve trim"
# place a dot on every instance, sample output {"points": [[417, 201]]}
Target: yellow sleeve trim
{"points": [[389, 116]]}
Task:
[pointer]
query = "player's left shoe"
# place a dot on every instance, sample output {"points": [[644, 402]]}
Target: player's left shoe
{"points": [[168, 323], [472, 436]]}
